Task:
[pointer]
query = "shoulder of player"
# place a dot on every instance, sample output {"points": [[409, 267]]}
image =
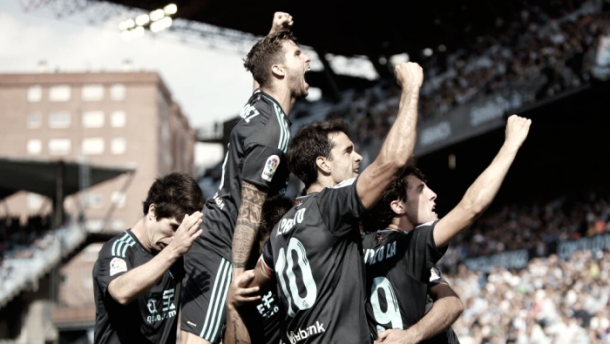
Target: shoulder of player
{"points": [[119, 246]]}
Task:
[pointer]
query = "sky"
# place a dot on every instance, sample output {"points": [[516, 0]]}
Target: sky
{"points": [[210, 84]]}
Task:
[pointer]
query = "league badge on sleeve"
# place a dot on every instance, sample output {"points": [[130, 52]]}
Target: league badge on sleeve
{"points": [[117, 265], [270, 167]]}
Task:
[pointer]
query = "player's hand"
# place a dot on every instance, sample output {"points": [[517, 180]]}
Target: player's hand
{"points": [[281, 21], [239, 293], [410, 76], [395, 337], [517, 129], [186, 234]]}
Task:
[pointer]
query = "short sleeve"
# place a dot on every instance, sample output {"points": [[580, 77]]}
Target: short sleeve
{"points": [[341, 207], [423, 253], [261, 163], [112, 262]]}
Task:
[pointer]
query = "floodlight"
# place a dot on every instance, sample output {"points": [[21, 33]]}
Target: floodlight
{"points": [[399, 58], [161, 24], [170, 9], [442, 48], [157, 14], [142, 19], [428, 52], [127, 24], [137, 32]]}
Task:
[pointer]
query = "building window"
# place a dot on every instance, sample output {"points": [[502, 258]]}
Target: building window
{"points": [[59, 93], [59, 119], [93, 119], [34, 147], [35, 93], [34, 201], [118, 198], [118, 145], [92, 92], [34, 120], [93, 146], [117, 92], [93, 200], [117, 119], [59, 146]]}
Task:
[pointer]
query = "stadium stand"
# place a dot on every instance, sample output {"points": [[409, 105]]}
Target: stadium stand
{"points": [[552, 300]]}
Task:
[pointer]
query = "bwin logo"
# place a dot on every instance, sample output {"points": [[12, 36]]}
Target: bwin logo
{"points": [[300, 335], [286, 224]]}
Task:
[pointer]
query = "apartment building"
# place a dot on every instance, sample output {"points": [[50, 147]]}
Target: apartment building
{"points": [[125, 119]]}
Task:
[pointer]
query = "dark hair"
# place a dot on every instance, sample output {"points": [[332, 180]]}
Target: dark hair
{"points": [[274, 208], [174, 195], [381, 215], [265, 53], [308, 144]]}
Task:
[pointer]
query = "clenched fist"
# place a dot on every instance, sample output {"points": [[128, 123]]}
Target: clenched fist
{"points": [[410, 76], [281, 21], [517, 129]]}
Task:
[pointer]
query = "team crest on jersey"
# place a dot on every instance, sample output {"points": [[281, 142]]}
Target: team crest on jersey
{"points": [[379, 238], [117, 265], [270, 167]]}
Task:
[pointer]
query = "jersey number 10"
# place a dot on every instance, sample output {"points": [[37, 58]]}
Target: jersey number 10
{"points": [[285, 266]]}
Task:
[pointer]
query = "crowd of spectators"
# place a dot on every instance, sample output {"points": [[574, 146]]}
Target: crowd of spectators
{"points": [[541, 54], [550, 301], [19, 241], [536, 227]]}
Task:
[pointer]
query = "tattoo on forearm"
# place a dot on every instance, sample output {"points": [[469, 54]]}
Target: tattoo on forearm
{"points": [[248, 221], [235, 338]]}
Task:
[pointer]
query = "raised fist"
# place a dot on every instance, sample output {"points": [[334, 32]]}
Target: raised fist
{"points": [[517, 129], [281, 21], [409, 75]]}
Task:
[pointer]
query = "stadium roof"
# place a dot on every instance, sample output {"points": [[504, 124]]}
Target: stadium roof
{"points": [[341, 27], [40, 176]]}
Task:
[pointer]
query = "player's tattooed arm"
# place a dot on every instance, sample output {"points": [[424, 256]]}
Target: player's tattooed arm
{"points": [[248, 222]]}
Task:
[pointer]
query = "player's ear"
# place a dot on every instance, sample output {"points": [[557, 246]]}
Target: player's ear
{"points": [[278, 70], [152, 215], [397, 207], [322, 163]]}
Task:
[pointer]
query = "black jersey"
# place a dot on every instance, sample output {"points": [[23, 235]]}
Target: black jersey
{"points": [[255, 154], [448, 336], [398, 266], [152, 318], [316, 253], [263, 318]]}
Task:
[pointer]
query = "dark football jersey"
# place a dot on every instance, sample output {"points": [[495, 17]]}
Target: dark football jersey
{"points": [[316, 253], [263, 318], [256, 154], [397, 274], [152, 318], [448, 336]]}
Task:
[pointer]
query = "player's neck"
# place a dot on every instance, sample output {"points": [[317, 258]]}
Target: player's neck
{"points": [[282, 96], [323, 181], [401, 223], [140, 232]]}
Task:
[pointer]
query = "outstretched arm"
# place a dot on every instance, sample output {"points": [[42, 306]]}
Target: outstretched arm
{"points": [[400, 142], [482, 192], [446, 309], [281, 21], [136, 282], [248, 222]]}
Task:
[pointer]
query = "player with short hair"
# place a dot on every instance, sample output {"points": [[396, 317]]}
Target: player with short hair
{"points": [[394, 256], [254, 168], [315, 252], [138, 275]]}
